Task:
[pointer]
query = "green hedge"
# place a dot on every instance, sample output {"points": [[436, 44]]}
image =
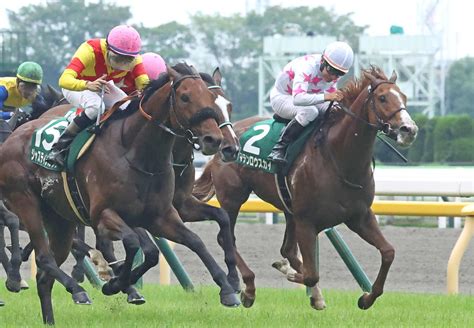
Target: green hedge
{"points": [[446, 139]]}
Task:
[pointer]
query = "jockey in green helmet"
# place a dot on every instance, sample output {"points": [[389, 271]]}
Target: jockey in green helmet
{"points": [[21, 90]]}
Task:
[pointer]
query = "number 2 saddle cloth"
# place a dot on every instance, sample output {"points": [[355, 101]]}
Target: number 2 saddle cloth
{"points": [[257, 143]]}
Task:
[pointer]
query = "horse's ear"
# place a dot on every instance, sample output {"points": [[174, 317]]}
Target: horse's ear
{"points": [[393, 78], [55, 93], [172, 73], [217, 76], [194, 70], [369, 77]]}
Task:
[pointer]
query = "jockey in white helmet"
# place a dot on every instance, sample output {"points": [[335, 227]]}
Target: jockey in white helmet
{"points": [[304, 87]]}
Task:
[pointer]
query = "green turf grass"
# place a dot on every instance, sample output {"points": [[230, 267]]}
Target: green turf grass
{"points": [[172, 307]]}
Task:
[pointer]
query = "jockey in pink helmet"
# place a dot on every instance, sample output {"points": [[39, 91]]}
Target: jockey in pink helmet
{"points": [[154, 65], [112, 64]]}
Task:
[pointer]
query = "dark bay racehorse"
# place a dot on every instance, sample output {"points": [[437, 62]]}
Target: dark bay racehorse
{"points": [[127, 181], [331, 181], [14, 283], [189, 208]]}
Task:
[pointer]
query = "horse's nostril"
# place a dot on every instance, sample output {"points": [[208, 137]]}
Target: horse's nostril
{"points": [[209, 140], [404, 129]]}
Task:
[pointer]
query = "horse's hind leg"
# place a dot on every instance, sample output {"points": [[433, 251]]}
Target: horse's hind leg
{"points": [[171, 227], [33, 222], [14, 282], [60, 234], [3, 254], [367, 228], [192, 210]]}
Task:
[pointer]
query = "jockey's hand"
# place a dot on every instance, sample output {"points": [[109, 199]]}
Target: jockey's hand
{"points": [[96, 86], [334, 96]]}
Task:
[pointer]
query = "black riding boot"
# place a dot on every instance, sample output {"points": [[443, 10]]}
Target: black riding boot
{"points": [[58, 152], [288, 135]]}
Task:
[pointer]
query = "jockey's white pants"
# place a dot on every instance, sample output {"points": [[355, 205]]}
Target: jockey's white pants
{"points": [[283, 106], [91, 101]]}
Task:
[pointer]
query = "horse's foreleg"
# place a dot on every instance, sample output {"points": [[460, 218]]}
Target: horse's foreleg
{"points": [[367, 228], [106, 248], [192, 210], [111, 226], [26, 252], [150, 252], [171, 227], [79, 253]]}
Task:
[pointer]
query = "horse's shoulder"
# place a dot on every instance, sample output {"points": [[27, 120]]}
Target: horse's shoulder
{"points": [[56, 111]]}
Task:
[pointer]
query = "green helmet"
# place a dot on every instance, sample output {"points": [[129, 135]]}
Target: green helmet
{"points": [[30, 72]]}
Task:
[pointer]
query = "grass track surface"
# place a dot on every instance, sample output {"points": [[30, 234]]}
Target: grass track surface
{"points": [[172, 307]]}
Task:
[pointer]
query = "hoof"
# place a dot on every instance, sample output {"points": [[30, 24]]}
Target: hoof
{"points": [[136, 299], [247, 301], [81, 298], [24, 285], [317, 304], [13, 286], [362, 303], [111, 287], [230, 300]]}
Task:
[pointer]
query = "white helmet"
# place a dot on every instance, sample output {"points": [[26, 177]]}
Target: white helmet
{"points": [[339, 55]]}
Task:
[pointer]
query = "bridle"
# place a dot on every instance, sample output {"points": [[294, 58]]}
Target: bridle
{"points": [[188, 134], [380, 124]]}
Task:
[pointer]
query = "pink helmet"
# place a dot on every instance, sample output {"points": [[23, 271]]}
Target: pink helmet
{"points": [[154, 65], [124, 40]]}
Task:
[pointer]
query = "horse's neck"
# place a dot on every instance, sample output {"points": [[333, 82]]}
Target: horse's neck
{"points": [[182, 151], [145, 142], [352, 140]]}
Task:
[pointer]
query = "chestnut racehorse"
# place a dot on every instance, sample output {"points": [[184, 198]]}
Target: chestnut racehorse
{"points": [[331, 181]]}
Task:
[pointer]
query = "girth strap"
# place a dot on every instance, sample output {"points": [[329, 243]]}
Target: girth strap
{"points": [[74, 197]]}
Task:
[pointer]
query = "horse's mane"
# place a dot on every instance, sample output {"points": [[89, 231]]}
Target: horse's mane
{"points": [[355, 86], [351, 91], [153, 86]]}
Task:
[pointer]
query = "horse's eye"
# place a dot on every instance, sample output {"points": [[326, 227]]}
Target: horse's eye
{"points": [[185, 98], [382, 98]]}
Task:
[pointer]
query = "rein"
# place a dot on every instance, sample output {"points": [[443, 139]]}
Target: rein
{"points": [[380, 125], [185, 165]]}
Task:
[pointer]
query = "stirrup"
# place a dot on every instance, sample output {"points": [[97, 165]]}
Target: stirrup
{"points": [[57, 158]]}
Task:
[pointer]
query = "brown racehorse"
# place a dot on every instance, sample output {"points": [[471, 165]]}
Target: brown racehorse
{"points": [[331, 182], [126, 179], [189, 208]]}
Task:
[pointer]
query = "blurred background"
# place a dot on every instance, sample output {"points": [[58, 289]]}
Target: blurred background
{"points": [[250, 40]]}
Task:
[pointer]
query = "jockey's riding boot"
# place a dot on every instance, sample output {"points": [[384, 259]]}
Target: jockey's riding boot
{"points": [[59, 149], [288, 135]]}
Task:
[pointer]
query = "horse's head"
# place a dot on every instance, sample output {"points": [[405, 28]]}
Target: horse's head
{"points": [[48, 98], [387, 108], [195, 110], [230, 144]]}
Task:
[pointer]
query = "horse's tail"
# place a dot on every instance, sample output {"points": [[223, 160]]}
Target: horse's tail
{"points": [[204, 187]]}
